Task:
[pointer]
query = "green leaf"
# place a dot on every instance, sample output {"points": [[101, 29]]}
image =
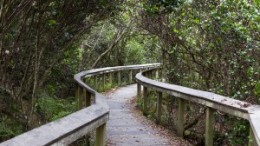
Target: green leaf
{"points": [[257, 89], [196, 21], [52, 22], [257, 2]]}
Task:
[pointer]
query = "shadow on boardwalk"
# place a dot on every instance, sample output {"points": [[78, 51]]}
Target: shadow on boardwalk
{"points": [[127, 126]]}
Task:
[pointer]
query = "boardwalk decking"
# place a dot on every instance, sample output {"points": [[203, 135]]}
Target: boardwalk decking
{"points": [[127, 127]]}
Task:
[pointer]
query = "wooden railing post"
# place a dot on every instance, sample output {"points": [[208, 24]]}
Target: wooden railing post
{"points": [[251, 138], [101, 135], [119, 78], [160, 74], [209, 129], [130, 76], [104, 82], [79, 96], [180, 117], [149, 74], [145, 96], [159, 107], [111, 79], [84, 98], [138, 90], [88, 98], [96, 82], [152, 74], [156, 74]]}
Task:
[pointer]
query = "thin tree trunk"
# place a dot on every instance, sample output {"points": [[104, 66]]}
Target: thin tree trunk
{"points": [[118, 37]]}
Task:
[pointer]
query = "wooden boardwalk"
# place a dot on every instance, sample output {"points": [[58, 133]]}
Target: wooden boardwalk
{"points": [[127, 126]]}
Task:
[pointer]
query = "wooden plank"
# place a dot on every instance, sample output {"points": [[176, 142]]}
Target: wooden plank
{"points": [[145, 104], [84, 94], [119, 78], [157, 74], [63, 131], [96, 82], [254, 118], [101, 135], [215, 101], [111, 79], [251, 138], [72, 127], [209, 129], [138, 90], [88, 99], [180, 117], [104, 82], [159, 107], [130, 76]]}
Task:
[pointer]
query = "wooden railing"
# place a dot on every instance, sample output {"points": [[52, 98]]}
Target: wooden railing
{"points": [[92, 116], [212, 102]]}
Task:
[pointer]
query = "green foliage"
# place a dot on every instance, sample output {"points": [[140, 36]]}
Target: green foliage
{"points": [[40, 51], [257, 3], [238, 134], [53, 108], [210, 45], [134, 52], [108, 86], [140, 102], [9, 128], [159, 6], [52, 22], [257, 89]]}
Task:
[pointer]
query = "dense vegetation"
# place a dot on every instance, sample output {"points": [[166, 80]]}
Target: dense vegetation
{"points": [[211, 45]]}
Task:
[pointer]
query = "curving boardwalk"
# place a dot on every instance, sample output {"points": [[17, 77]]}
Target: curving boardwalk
{"points": [[127, 126]]}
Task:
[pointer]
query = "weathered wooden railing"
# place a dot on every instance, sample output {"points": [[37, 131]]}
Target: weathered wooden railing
{"points": [[93, 115], [212, 102]]}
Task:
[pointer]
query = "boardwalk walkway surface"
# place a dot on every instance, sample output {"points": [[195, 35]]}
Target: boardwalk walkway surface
{"points": [[127, 126]]}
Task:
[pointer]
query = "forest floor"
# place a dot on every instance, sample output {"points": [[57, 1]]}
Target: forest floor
{"points": [[128, 127]]}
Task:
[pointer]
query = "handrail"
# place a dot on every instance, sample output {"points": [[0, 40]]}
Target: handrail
{"points": [[211, 100], [74, 126]]}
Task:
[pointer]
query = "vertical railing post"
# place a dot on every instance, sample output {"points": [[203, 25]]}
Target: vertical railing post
{"points": [[251, 138], [152, 74], [209, 129], [159, 107], [88, 98], [84, 97], [101, 135], [96, 82], [78, 94], [148, 73], [156, 74], [130, 76], [145, 96], [180, 117], [138, 90], [160, 74], [111, 79], [104, 82], [119, 78]]}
